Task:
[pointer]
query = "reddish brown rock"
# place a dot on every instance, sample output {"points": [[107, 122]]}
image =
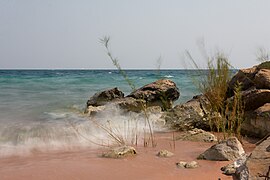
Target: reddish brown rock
{"points": [[159, 93], [102, 98], [255, 98], [190, 115], [264, 111], [262, 79], [131, 104], [243, 76], [257, 123], [258, 163]]}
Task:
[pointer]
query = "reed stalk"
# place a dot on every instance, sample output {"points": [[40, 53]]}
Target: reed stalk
{"points": [[105, 41]]}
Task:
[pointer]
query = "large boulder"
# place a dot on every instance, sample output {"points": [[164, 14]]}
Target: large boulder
{"points": [[243, 76], [257, 122], [227, 150], [262, 79], [103, 97], [255, 98], [190, 115], [159, 93]]}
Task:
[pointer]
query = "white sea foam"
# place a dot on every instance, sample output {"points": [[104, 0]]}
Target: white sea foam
{"points": [[168, 76], [64, 130]]}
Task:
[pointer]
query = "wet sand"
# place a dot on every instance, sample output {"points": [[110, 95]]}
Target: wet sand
{"points": [[82, 164]]}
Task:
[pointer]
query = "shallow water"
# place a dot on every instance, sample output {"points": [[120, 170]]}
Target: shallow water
{"points": [[38, 108]]}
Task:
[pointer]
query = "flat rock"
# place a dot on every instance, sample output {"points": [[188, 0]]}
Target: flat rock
{"points": [[230, 149], [165, 153], [187, 165], [198, 135], [120, 152]]}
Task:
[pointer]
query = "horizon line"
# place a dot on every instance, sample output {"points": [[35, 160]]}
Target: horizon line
{"points": [[110, 69]]}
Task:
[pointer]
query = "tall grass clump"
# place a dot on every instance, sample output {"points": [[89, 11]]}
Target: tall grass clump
{"points": [[105, 41], [225, 116]]}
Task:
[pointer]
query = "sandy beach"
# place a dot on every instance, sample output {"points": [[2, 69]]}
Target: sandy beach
{"points": [[83, 164]]}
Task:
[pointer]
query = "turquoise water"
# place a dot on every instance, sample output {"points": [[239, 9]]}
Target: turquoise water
{"points": [[36, 106]]}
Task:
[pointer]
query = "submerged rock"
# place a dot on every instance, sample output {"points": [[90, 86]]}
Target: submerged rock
{"points": [[120, 152], [187, 165], [164, 153], [230, 149], [159, 93], [198, 135]]}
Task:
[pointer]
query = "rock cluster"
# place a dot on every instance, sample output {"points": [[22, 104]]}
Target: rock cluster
{"points": [[255, 83], [197, 113], [232, 168], [161, 93], [255, 166]]}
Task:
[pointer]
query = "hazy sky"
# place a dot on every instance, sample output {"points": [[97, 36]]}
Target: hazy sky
{"points": [[65, 33]]}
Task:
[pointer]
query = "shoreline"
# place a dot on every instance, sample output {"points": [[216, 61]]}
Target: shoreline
{"points": [[86, 163]]}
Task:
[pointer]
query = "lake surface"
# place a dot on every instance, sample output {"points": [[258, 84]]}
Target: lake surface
{"points": [[40, 108]]}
